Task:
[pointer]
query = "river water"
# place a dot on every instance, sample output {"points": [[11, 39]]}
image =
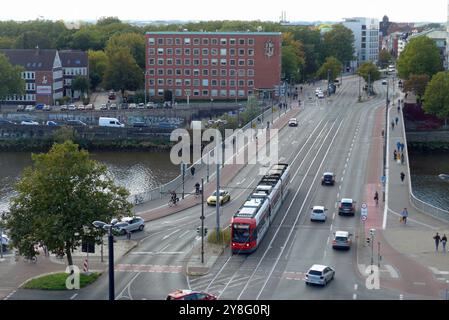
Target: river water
{"points": [[427, 186], [136, 171]]}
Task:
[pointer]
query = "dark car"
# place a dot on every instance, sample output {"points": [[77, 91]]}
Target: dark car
{"points": [[75, 123], [328, 179], [5, 122], [140, 125], [347, 207]]}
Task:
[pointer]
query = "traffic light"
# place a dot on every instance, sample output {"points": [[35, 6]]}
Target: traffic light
{"points": [[198, 231], [368, 240]]}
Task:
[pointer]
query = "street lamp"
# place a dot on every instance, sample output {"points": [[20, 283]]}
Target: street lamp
{"points": [[210, 113], [145, 89], [108, 227]]}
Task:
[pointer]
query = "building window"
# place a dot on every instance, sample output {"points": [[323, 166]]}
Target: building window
{"points": [[178, 62], [196, 82], [232, 83], [241, 52], [241, 93], [187, 72], [160, 92], [250, 52], [196, 93], [178, 82], [232, 62], [160, 82], [205, 82], [214, 62], [187, 62], [250, 72], [250, 83], [241, 62], [232, 52], [205, 52], [151, 92], [205, 72], [196, 52], [223, 83], [214, 82], [151, 72], [214, 72], [205, 92], [151, 41], [187, 52], [178, 92], [250, 62], [223, 41], [187, 41], [196, 41], [169, 41], [196, 72], [169, 72], [250, 41], [214, 42], [214, 52], [160, 62], [205, 62], [223, 72], [205, 41], [232, 93], [223, 93], [242, 42], [222, 52], [169, 62], [214, 93], [241, 72], [187, 82], [151, 82], [196, 62], [160, 51], [151, 52], [160, 41], [232, 42], [178, 51], [151, 61], [178, 41], [160, 72], [241, 83], [178, 72], [232, 72], [169, 51], [223, 62]]}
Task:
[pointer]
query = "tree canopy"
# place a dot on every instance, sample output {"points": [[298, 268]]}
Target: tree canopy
{"points": [[339, 43], [10, 79], [332, 65], [59, 198], [417, 84], [385, 58], [369, 72], [420, 56], [436, 97]]}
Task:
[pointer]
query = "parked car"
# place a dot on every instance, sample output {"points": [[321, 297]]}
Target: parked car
{"points": [[111, 95], [319, 274], [5, 121], [318, 214], [384, 82], [190, 295], [141, 106], [224, 197], [51, 123], [72, 107], [47, 108], [90, 106], [80, 107], [64, 107], [4, 241], [39, 106], [347, 207], [132, 106], [293, 122], [140, 124], [20, 108], [128, 224], [103, 107], [150, 105], [328, 179], [110, 122], [320, 95], [342, 240], [113, 106], [29, 108], [29, 123], [75, 123]]}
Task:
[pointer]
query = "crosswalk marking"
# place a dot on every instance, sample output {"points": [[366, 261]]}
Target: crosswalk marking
{"points": [[148, 268]]}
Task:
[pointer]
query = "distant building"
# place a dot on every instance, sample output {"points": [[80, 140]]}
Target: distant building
{"points": [[440, 38], [366, 36], [42, 73], [74, 63], [212, 65]]}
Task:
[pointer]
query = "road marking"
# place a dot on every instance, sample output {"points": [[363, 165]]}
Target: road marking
{"points": [[154, 253], [354, 296], [436, 271], [333, 217], [392, 271], [73, 297], [401, 297], [162, 250], [419, 283], [169, 235], [356, 286], [239, 183], [185, 233]]}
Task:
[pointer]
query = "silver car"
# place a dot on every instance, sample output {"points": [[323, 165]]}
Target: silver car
{"points": [[319, 274], [128, 224]]}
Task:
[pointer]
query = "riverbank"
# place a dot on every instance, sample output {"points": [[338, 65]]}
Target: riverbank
{"points": [[428, 146]]}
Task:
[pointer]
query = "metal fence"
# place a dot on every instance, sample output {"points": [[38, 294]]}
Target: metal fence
{"points": [[417, 203], [164, 190]]}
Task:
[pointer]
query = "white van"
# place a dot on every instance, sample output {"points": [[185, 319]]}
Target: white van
{"points": [[110, 122]]}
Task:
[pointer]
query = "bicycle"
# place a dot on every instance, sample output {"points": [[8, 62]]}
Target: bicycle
{"points": [[32, 259], [172, 203], [138, 199]]}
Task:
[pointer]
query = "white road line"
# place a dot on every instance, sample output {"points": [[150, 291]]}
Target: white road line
{"points": [[74, 296], [333, 217], [185, 233], [170, 234], [356, 286], [401, 297], [393, 273], [354, 296], [162, 250]]}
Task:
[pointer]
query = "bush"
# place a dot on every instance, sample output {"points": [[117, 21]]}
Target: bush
{"points": [[225, 237]]}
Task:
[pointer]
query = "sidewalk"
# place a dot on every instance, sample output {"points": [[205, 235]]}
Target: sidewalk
{"points": [[16, 273], [408, 261]]}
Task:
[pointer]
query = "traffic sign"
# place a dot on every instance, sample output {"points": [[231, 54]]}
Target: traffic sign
{"points": [[364, 206], [383, 180], [364, 218], [364, 210]]}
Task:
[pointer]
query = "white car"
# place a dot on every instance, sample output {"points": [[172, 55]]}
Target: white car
{"points": [[90, 106], [384, 82], [72, 107], [318, 214], [320, 95], [150, 105], [46, 108], [103, 107], [64, 107], [29, 123], [293, 122], [128, 224], [4, 241], [29, 108], [81, 107], [132, 106], [319, 274], [342, 240]]}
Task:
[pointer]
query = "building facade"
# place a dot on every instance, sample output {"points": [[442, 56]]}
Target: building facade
{"points": [[42, 74], [74, 64], [211, 65], [366, 36]]}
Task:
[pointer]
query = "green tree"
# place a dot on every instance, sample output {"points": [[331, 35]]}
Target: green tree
{"points": [[339, 43], [98, 62], [122, 72], [63, 134], [134, 42], [62, 194], [369, 72], [291, 64], [87, 38], [11, 81], [420, 56], [331, 67], [436, 97], [417, 84], [80, 84], [385, 58]]}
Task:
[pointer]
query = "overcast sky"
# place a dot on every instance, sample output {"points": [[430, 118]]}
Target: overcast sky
{"points": [[297, 10]]}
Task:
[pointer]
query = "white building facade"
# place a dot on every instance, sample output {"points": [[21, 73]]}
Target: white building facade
{"points": [[366, 36]]}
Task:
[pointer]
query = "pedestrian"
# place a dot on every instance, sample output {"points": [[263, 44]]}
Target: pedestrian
{"points": [[192, 171], [398, 144], [395, 155], [44, 247], [402, 158], [399, 105], [443, 242], [437, 239], [383, 133], [402, 177], [392, 125], [376, 198], [402, 147], [404, 215], [397, 120], [128, 235]]}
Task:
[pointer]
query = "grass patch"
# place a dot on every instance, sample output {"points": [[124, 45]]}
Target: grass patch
{"points": [[57, 281], [224, 239]]}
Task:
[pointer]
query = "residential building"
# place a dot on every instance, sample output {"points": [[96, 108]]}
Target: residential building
{"points": [[42, 74], [440, 38], [74, 64], [212, 65], [366, 36]]}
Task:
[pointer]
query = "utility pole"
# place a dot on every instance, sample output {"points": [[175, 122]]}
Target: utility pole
{"points": [[218, 197], [385, 141], [328, 82], [360, 88], [202, 220], [183, 172], [379, 257], [369, 84]]}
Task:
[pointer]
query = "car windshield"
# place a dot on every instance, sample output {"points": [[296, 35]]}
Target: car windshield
{"points": [[347, 205], [222, 193], [328, 177], [240, 233], [318, 211], [341, 239], [315, 273]]}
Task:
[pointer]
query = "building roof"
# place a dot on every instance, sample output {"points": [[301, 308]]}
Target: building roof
{"points": [[73, 58], [31, 59], [432, 34], [214, 33]]}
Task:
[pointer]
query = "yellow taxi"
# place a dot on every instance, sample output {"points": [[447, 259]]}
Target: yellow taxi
{"points": [[224, 197]]}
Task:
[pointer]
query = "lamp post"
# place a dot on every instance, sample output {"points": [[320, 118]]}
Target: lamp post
{"points": [[328, 82], [145, 89], [360, 88], [108, 227], [210, 113], [385, 140], [202, 220]]}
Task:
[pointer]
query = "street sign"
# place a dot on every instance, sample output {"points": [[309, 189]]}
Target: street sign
{"points": [[364, 218], [383, 180], [364, 210]]}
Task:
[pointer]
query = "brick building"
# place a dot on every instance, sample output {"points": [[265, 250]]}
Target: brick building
{"points": [[74, 64], [212, 65]]}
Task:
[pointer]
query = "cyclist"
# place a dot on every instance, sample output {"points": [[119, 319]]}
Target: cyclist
{"points": [[197, 188], [376, 198], [174, 199], [404, 215]]}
